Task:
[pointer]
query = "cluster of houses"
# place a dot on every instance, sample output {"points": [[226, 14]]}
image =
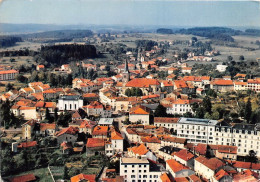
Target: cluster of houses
{"points": [[149, 149]]}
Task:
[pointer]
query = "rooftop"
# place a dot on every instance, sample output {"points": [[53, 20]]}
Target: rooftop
{"points": [[198, 121], [133, 160]]}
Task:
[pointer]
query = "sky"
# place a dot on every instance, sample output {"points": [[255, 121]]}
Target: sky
{"points": [[132, 12]]}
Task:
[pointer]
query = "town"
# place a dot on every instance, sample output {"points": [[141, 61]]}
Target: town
{"points": [[106, 110]]}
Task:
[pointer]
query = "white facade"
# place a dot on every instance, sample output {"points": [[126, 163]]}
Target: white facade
{"points": [[134, 170], [70, 102], [221, 68], [144, 118]]}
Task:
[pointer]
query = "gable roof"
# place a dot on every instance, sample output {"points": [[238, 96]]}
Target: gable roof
{"points": [[142, 82], [70, 130], [95, 142], [140, 110], [165, 178], [184, 154], [140, 149], [212, 163], [116, 136], [150, 139], [47, 126], [100, 130], [220, 174], [81, 177], [175, 166]]}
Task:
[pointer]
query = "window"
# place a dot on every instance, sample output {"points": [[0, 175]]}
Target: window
{"points": [[133, 165], [132, 176], [145, 176], [133, 171], [125, 171], [140, 171], [125, 166]]}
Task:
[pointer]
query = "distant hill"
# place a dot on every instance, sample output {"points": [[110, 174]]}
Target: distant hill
{"points": [[57, 35], [253, 32], [164, 31], [217, 33]]}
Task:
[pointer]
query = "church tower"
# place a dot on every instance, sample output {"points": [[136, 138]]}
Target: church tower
{"points": [[126, 74]]}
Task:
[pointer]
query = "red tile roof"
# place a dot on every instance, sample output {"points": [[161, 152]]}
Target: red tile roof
{"points": [[222, 82], [23, 178], [27, 144], [46, 126], [8, 72], [212, 163], [165, 178], [116, 136], [150, 139], [140, 110], [95, 142], [175, 166], [220, 174], [70, 130], [165, 120], [140, 149], [181, 179], [83, 177], [100, 130], [142, 82], [184, 154]]}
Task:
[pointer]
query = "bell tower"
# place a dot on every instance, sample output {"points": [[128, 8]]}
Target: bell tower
{"points": [[126, 74]]}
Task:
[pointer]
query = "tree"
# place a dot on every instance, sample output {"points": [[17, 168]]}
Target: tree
{"points": [[47, 115], [252, 157], [255, 117], [229, 58], [69, 79], [248, 110], [128, 92], [8, 87], [21, 78], [241, 58], [187, 115], [65, 173], [56, 114], [160, 111], [206, 103]]}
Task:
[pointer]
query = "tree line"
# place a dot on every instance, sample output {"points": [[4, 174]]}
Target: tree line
{"points": [[7, 41]]}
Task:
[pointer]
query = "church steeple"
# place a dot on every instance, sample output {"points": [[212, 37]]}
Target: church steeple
{"points": [[126, 70], [126, 74]]}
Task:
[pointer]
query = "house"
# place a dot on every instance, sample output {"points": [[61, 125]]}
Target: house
{"points": [[240, 86], [27, 144], [47, 129], [182, 106], [222, 176], [40, 67], [176, 169], [139, 114], [86, 126], [246, 175], [224, 151], [140, 169], [146, 85], [28, 129], [97, 109], [186, 70], [66, 147], [221, 85], [207, 167], [167, 152], [70, 102], [221, 68], [95, 146], [100, 132], [117, 141], [69, 134], [152, 142], [141, 150], [184, 157], [83, 177], [167, 140], [170, 123], [8, 75]]}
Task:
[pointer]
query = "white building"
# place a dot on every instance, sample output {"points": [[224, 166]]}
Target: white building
{"points": [[138, 169], [70, 102], [181, 106], [221, 68]]}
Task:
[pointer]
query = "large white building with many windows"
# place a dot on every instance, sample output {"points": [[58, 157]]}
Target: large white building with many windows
{"points": [[139, 170], [245, 136]]}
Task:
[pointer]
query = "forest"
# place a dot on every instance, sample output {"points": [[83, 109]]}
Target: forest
{"points": [[57, 36], [61, 54], [8, 41], [216, 33], [164, 31]]}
